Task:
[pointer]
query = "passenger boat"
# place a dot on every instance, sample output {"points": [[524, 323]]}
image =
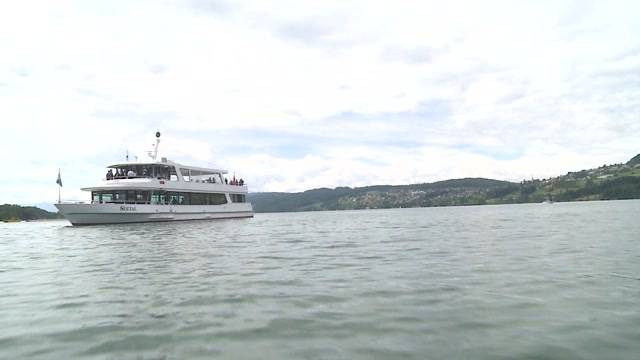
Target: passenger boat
{"points": [[159, 190]]}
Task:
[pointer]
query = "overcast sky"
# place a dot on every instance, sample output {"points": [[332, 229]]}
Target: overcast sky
{"points": [[293, 95]]}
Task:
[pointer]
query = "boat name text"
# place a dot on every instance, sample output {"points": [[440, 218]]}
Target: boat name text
{"points": [[127, 208]]}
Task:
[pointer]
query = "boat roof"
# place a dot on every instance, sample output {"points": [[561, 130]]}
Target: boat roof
{"points": [[195, 170]]}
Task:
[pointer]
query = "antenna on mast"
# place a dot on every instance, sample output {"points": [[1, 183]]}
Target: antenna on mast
{"points": [[154, 154]]}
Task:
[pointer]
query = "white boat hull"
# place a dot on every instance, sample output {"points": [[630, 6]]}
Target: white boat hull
{"points": [[94, 214]]}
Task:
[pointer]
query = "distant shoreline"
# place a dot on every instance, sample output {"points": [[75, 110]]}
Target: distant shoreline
{"points": [[16, 213], [608, 182]]}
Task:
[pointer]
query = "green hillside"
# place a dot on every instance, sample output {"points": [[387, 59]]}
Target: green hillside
{"points": [[10, 213], [608, 182], [634, 161], [467, 191]]}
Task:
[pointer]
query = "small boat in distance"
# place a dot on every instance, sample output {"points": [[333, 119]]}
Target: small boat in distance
{"points": [[150, 191]]}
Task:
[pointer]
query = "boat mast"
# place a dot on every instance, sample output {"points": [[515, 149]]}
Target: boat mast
{"points": [[154, 154]]}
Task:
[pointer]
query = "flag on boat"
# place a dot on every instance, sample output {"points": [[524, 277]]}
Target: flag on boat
{"points": [[59, 181]]}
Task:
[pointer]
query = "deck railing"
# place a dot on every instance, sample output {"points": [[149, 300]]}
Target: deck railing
{"points": [[204, 181]]}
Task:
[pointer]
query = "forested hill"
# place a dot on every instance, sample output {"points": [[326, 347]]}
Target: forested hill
{"points": [[634, 161], [448, 192], [10, 213], [608, 182]]}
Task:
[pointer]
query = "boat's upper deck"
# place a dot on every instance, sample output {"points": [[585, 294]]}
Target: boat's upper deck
{"points": [[166, 174]]}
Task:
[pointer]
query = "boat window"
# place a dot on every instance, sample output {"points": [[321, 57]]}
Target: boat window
{"points": [[102, 196], [106, 197], [199, 199], [142, 197], [176, 198], [158, 197], [217, 199], [186, 174], [172, 198], [238, 198], [158, 172], [126, 196], [173, 175], [163, 172], [119, 196]]}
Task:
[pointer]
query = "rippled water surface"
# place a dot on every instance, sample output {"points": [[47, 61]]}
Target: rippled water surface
{"points": [[515, 281]]}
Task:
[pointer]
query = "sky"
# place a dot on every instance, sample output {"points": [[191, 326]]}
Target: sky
{"points": [[294, 95]]}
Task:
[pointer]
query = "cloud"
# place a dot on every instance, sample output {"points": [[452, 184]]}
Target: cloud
{"points": [[306, 31], [22, 72], [416, 55], [218, 7], [157, 69]]}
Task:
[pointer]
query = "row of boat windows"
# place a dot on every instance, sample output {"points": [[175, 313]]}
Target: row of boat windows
{"points": [[164, 198], [162, 172]]}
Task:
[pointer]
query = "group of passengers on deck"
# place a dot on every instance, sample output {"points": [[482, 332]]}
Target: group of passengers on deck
{"points": [[124, 174], [234, 181]]}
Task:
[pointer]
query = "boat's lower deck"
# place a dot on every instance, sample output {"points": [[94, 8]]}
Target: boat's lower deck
{"points": [[94, 214]]}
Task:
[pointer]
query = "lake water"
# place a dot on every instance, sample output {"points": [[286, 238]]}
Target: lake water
{"points": [[485, 282]]}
